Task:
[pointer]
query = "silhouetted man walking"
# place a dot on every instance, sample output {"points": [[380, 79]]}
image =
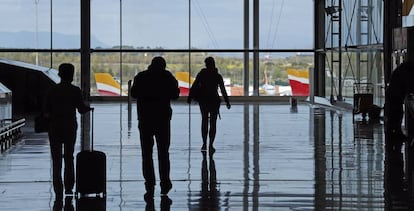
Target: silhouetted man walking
{"points": [[154, 89], [61, 103]]}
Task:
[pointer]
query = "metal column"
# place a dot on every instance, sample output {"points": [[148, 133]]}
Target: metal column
{"points": [[256, 48], [318, 80], [246, 47], [85, 69], [335, 13]]}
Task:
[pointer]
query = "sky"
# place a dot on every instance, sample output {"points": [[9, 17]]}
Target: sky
{"points": [[284, 24]]}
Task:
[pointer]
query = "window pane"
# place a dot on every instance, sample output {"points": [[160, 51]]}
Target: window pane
{"points": [[66, 24], [43, 58], [285, 74], [286, 24], [16, 56], [107, 78], [364, 23], [106, 75], [155, 24], [105, 23], [217, 24], [25, 24], [229, 65]]}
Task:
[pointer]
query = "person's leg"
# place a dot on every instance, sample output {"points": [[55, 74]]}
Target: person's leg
{"points": [[56, 153], [69, 175], [212, 132], [163, 137], [204, 125], [147, 143]]}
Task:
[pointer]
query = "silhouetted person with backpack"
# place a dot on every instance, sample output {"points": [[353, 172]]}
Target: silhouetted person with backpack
{"points": [[154, 89], [62, 101], [205, 91]]}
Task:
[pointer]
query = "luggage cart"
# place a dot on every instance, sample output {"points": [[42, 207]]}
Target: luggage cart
{"points": [[363, 98]]}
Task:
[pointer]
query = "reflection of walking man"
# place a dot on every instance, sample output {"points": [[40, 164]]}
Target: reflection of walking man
{"points": [[154, 89], [61, 103]]}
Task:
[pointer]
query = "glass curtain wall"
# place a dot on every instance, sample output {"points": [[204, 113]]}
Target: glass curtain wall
{"points": [[41, 32], [286, 34], [354, 58], [126, 34]]}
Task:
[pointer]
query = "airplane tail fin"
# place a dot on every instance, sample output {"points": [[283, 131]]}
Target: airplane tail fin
{"points": [[107, 85]]}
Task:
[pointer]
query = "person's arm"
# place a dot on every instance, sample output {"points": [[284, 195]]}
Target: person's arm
{"points": [[134, 88], [224, 92], [175, 91], [80, 103]]}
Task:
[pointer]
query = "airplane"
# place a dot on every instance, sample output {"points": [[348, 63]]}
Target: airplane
{"points": [[299, 81], [107, 85], [184, 82]]}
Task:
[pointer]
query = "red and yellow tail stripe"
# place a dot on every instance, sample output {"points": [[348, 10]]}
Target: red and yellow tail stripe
{"points": [[184, 82], [107, 85], [299, 82]]}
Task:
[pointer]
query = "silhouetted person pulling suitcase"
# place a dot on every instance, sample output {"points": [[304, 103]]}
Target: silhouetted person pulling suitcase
{"points": [[62, 101]]}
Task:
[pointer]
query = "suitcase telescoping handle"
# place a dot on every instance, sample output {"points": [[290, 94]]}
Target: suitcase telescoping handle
{"points": [[92, 129], [91, 132]]}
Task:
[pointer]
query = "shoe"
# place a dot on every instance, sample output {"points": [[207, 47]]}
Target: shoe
{"points": [[204, 148], [149, 194], [149, 197], [211, 150], [166, 202], [165, 189]]}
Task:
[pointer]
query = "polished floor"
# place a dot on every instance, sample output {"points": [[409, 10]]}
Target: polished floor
{"points": [[268, 157]]}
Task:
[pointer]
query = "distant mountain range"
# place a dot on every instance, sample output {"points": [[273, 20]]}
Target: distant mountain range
{"points": [[27, 39]]}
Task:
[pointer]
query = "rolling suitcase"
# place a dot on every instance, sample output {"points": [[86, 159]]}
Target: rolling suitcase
{"points": [[90, 171]]}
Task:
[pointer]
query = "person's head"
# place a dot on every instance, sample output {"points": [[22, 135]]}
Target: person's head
{"points": [[66, 71], [210, 63], [157, 63]]}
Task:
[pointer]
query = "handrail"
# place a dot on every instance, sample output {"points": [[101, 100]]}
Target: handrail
{"points": [[12, 126], [9, 132]]}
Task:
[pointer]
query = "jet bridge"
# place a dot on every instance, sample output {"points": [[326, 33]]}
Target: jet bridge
{"points": [[28, 83]]}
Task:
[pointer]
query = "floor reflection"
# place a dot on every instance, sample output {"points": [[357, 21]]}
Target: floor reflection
{"points": [[399, 174], [395, 189], [269, 157], [91, 203], [347, 170], [165, 204], [209, 194], [66, 204]]}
